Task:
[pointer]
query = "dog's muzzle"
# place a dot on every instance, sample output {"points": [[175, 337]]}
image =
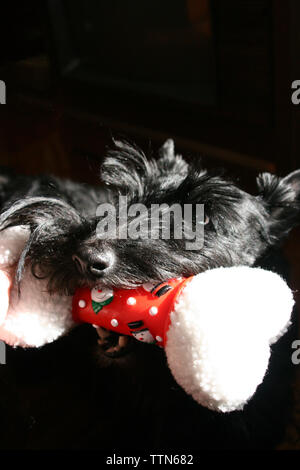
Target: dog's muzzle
{"points": [[93, 262]]}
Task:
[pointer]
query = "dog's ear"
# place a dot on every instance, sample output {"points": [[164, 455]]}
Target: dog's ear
{"points": [[128, 171], [281, 197], [170, 163]]}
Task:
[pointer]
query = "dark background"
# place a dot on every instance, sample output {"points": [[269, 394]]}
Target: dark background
{"points": [[58, 120]]}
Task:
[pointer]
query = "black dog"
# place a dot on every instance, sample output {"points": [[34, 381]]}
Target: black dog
{"points": [[239, 229]]}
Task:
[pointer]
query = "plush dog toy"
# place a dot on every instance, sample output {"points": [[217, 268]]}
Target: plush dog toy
{"points": [[216, 327]]}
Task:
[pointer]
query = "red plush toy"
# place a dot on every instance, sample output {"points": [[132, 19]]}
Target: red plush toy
{"points": [[142, 312]]}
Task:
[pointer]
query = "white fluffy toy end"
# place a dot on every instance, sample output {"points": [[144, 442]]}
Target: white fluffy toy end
{"points": [[221, 330]]}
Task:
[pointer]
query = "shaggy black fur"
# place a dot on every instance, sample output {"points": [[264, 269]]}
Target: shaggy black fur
{"points": [[138, 389], [62, 219]]}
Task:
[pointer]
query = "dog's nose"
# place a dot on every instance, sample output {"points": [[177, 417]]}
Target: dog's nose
{"points": [[93, 262], [98, 265]]}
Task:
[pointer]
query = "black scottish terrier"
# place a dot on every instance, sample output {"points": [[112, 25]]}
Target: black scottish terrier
{"points": [[144, 408]]}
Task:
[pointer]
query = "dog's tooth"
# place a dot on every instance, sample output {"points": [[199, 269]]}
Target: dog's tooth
{"points": [[123, 341], [102, 332]]}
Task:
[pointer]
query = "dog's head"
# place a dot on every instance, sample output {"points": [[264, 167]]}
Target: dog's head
{"points": [[167, 218], [162, 219]]}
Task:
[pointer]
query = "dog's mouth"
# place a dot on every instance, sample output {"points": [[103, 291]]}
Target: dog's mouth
{"points": [[112, 344]]}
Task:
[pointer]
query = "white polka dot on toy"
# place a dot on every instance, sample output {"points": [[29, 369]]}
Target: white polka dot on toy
{"points": [[158, 338], [114, 322], [82, 303], [131, 301], [153, 310]]}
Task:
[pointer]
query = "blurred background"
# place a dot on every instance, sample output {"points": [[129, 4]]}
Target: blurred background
{"points": [[214, 75]]}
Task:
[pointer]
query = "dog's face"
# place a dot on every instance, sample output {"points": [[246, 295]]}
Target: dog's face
{"points": [[65, 245]]}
